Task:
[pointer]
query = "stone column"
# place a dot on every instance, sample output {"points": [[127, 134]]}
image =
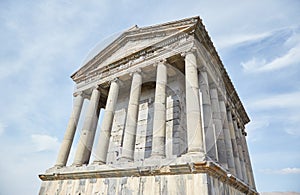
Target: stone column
{"points": [[248, 162], [159, 118], [193, 114], [210, 142], [236, 157], [65, 148], [221, 149], [131, 118], [240, 150], [105, 130], [227, 139], [86, 139]]}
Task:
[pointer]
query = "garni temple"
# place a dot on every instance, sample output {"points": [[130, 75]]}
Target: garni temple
{"points": [[172, 121]]}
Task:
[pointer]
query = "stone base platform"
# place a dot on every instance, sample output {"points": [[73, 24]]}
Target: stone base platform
{"points": [[173, 178]]}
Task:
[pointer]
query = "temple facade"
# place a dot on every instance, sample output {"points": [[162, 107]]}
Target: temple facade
{"points": [[172, 120]]}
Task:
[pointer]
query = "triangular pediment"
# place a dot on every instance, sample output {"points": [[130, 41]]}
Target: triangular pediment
{"points": [[134, 40]]}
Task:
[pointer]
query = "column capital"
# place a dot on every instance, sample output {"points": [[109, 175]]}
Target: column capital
{"points": [[116, 80], [192, 50], [213, 86], [162, 61], [77, 93], [138, 70], [234, 117], [84, 94], [98, 87], [203, 69]]}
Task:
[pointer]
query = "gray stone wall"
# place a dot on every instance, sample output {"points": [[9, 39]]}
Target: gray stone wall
{"points": [[147, 185], [176, 140]]}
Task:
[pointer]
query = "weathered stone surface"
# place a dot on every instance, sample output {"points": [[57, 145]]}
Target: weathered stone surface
{"points": [[168, 126]]}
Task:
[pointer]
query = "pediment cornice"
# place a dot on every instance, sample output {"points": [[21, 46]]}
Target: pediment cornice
{"points": [[164, 31]]}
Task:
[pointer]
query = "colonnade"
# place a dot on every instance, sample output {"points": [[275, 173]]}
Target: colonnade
{"points": [[218, 136], [224, 140]]}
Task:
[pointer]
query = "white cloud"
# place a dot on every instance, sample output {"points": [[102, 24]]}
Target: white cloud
{"points": [[44, 142], [254, 128], [291, 57], [2, 128], [253, 65], [282, 171], [237, 39], [288, 100], [289, 171], [295, 131]]}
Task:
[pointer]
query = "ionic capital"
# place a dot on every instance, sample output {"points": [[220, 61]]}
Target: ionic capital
{"points": [[203, 69], [213, 86], [78, 93], [162, 61], [98, 87], [136, 71], [117, 81], [192, 50]]}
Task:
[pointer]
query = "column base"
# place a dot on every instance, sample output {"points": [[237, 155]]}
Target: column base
{"points": [[193, 157], [155, 160], [124, 159], [98, 162], [77, 165], [210, 158], [59, 166]]}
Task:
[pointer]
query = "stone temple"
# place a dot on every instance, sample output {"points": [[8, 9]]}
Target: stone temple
{"points": [[172, 123]]}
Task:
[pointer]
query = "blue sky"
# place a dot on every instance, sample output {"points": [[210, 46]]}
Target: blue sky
{"points": [[44, 42]]}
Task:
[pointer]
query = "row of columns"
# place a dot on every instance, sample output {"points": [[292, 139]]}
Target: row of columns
{"points": [[193, 116], [223, 139]]}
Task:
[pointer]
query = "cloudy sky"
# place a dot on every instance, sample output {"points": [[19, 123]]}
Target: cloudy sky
{"points": [[44, 42]]}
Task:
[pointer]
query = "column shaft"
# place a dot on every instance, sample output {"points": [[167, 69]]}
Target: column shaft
{"points": [[131, 118], [227, 139], [219, 134], [159, 118], [248, 165], [86, 139], [66, 145], [236, 157], [193, 115], [240, 151], [210, 142], [105, 130]]}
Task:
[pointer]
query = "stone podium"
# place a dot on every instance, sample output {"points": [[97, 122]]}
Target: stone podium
{"points": [[172, 120]]}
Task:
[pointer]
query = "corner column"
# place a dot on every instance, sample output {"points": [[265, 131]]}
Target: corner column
{"points": [[66, 145], [219, 135], [86, 139], [210, 142], [105, 130], [248, 162], [159, 118], [237, 162], [240, 150], [131, 118], [227, 139], [193, 115]]}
